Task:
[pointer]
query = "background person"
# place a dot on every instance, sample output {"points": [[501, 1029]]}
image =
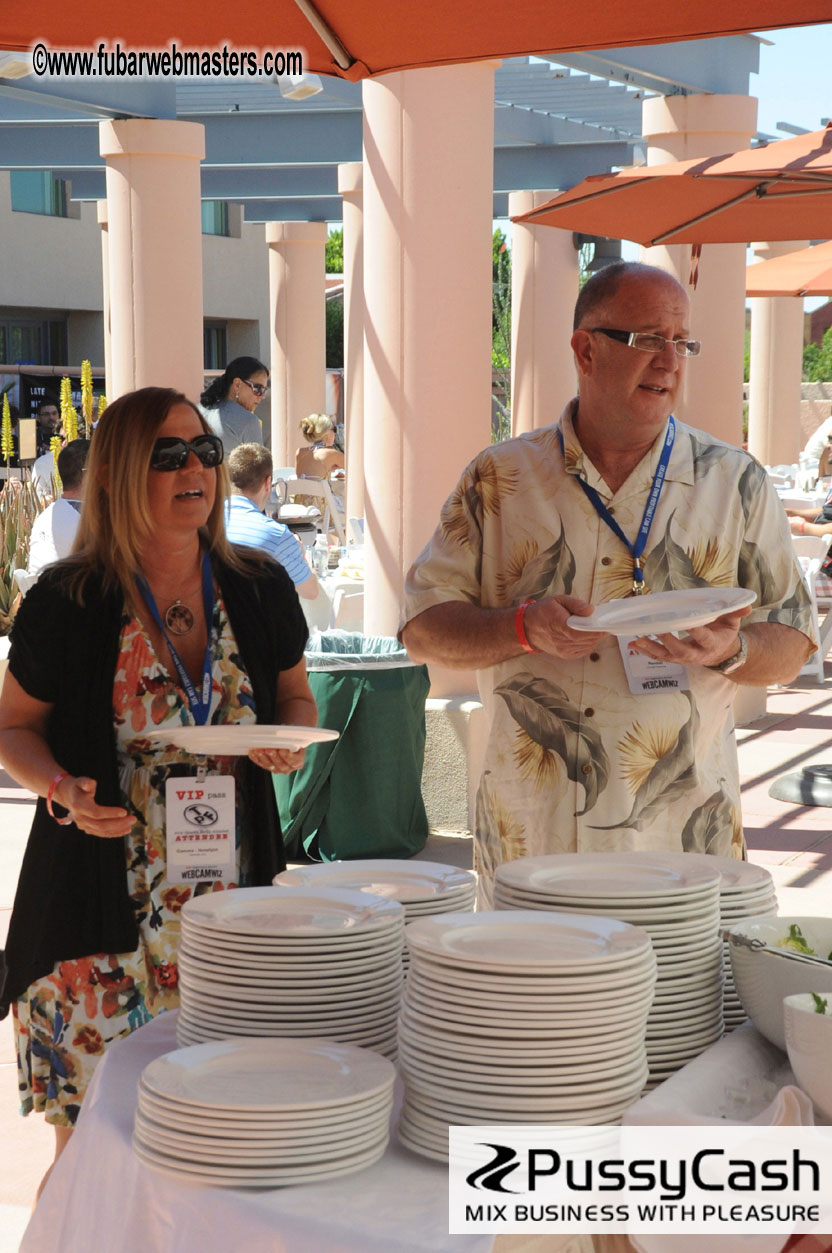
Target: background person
{"points": [[230, 400], [320, 457], [48, 417], [154, 620], [591, 746], [250, 470], [54, 529]]}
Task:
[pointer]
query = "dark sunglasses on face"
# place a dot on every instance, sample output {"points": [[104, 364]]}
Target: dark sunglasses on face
{"points": [[172, 454], [259, 389]]}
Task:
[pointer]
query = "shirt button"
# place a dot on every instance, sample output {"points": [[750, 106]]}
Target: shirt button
{"points": [[586, 768], [610, 509], [606, 561], [589, 713], [594, 656]]}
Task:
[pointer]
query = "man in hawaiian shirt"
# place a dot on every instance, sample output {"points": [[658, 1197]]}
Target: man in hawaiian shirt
{"points": [[598, 743]]}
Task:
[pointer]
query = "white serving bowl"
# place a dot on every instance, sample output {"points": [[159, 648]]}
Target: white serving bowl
{"points": [[762, 979], [809, 1045]]}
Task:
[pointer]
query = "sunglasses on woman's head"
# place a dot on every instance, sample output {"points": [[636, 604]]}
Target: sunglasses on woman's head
{"points": [[170, 453]]}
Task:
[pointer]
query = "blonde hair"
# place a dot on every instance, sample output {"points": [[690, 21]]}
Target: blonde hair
{"points": [[315, 426], [116, 522]]}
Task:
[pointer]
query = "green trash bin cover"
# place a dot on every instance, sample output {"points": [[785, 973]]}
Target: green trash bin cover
{"points": [[360, 795]]}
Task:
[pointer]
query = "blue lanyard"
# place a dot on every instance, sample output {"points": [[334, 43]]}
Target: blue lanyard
{"points": [[649, 509], [200, 706]]}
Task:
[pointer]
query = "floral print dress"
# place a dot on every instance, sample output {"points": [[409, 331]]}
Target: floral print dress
{"points": [[65, 1020]]}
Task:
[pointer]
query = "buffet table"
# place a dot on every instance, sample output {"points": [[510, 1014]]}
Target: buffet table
{"points": [[99, 1188]]}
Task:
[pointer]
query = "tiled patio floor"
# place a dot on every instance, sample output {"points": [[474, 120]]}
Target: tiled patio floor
{"points": [[793, 841]]}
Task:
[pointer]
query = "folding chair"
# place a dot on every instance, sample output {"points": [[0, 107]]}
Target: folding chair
{"points": [[320, 490], [811, 551]]}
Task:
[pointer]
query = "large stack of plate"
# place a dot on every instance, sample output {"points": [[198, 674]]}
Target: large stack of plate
{"points": [[260, 1113], [525, 1017], [745, 891], [291, 962], [421, 887], [675, 899]]}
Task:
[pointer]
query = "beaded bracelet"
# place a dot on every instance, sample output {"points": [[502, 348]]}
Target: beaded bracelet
{"points": [[62, 822], [519, 627]]}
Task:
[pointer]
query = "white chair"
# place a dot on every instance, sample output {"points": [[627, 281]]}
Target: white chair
{"points": [[357, 530], [348, 610], [320, 490], [811, 551]]}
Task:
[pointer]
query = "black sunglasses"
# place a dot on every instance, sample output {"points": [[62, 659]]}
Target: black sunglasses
{"points": [[171, 454]]}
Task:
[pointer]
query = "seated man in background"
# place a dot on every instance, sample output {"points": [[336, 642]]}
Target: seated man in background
{"points": [[53, 532], [250, 470]]}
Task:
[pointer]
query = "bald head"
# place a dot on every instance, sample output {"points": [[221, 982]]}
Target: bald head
{"points": [[601, 289]]}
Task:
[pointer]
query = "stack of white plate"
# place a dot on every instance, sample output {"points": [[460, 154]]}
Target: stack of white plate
{"points": [[291, 962], [675, 899], [258, 1113], [421, 887], [521, 1017], [746, 891]]}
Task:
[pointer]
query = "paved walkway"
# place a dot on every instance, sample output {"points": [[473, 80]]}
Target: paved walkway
{"points": [[793, 841]]}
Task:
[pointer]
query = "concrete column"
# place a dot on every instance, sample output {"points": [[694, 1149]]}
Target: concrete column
{"points": [[155, 254], [297, 300], [774, 433], [544, 288], [428, 145], [105, 295], [678, 128], [351, 188]]}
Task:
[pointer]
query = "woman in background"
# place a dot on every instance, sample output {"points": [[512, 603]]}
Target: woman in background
{"points": [[230, 400], [320, 457]]}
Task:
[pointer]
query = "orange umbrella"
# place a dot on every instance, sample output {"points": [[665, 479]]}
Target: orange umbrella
{"points": [[804, 273], [778, 191], [356, 38]]}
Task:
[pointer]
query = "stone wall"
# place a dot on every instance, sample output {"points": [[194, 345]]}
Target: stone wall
{"points": [[815, 407]]}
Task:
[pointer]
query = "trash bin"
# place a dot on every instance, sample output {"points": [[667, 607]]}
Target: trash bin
{"points": [[360, 795]]}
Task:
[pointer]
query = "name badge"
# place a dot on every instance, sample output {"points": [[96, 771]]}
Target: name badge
{"points": [[201, 829], [646, 675]]}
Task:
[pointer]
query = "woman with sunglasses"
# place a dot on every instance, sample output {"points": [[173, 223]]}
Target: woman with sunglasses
{"points": [[153, 621], [229, 402]]}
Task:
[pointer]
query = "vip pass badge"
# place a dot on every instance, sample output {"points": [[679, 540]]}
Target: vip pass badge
{"points": [[200, 828]]}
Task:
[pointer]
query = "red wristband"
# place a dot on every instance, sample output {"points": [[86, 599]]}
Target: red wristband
{"points": [[62, 822], [519, 627]]}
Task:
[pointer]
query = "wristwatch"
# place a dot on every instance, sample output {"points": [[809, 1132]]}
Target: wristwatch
{"points": [[737, 659]]}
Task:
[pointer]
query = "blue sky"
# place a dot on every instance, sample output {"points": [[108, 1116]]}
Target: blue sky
{"points": [[795, 80]]}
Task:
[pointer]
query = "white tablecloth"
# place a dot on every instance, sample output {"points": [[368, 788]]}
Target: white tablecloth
{"points": [[100, 1196]]}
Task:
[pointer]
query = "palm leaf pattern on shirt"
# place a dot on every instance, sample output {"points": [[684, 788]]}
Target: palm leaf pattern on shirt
{"points": [[714, 827], [493, 481], [461, 518], [668, 779], [500, 836], [548, 717], [550, 573]]}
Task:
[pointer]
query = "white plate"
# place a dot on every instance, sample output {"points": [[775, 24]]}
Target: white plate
{"points": [[660, 612], [407, 882], [304, 1125], [236, 739], [293, 912], [252, 1177], [524, 940], [616, 876], [279, 1150], [268, 1074]]}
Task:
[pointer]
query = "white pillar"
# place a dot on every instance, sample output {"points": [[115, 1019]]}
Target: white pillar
{"points": [[428, 194], [544, 288], [105, 295], [678, 128], [776, 368], [297, 303], [351, 185], [155, 254]]}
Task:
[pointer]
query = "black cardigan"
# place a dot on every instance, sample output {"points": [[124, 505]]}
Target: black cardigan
{"points": [[72, 899]]}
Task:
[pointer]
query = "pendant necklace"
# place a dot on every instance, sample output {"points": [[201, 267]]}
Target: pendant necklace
{"points": [[179, 618]]}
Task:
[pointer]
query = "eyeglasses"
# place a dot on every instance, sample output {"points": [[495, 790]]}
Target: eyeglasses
{"points": [[259, 389], [172, 454], [647, 342]]}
